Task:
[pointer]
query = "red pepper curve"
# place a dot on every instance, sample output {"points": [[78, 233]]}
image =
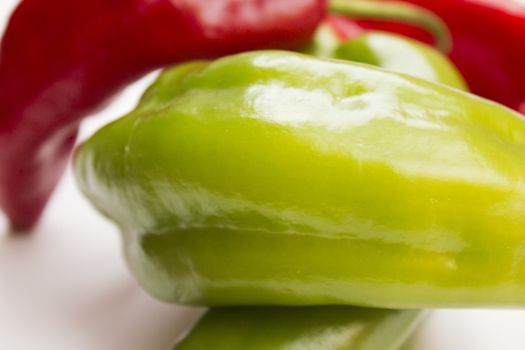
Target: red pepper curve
{"points": [[61, 60]]}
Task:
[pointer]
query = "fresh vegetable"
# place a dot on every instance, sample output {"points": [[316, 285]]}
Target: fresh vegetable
{"points": [[279, 178], [389, 51], [487, 42], [285, 328], [60, 60]]}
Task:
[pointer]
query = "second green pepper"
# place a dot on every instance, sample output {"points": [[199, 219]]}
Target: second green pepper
{"points": [[301, 328], [389, 51]]}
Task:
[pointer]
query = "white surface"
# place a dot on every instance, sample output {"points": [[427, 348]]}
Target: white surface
{"points": [[66, 286]]}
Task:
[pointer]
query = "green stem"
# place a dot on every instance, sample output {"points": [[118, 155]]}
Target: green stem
{"points": [[396, 11]]}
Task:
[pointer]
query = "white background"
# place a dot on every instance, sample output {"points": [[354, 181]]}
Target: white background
{"points": [[66, 287]]}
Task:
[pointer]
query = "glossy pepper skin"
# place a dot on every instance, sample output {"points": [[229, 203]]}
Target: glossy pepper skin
{"points": [[60, 60], [487, 37], [389, 51], [280, 178], [285, 328]]}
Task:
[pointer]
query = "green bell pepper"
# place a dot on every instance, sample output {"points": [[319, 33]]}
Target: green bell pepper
{"points": [[278, 178], [389, 51], [301, 328]]}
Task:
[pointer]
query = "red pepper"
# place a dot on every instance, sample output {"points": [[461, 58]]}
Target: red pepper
{"points": [[488, 42], [60, 60]]}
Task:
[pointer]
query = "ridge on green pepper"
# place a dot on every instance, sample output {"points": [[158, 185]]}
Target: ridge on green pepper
{"points": [[300, 328], [278, 178]]}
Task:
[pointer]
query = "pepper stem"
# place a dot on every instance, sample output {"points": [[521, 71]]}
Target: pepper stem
{"points": [[396, 11]]}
